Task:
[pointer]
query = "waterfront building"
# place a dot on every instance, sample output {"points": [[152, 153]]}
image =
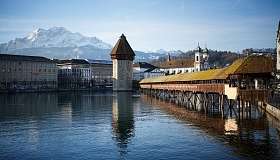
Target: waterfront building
{"points": [[19, 72], [177, 66], [153, 72], [143, 70], [199, 63], [74, 74], [122, 56], [101, 72]]}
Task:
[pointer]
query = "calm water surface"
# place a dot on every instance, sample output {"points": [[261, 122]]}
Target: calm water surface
{"points": [[86, 125]]}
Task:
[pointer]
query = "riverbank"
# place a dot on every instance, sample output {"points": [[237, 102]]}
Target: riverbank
{"points": [[53, 90], [270, 109], [60, 90]]}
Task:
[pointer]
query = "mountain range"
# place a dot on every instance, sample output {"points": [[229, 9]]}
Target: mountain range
{"points": [[59, 43]]}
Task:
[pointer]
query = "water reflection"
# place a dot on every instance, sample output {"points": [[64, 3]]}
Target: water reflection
{"points": [[27, 105], [122, 120], [87, 125], [251, 136]]}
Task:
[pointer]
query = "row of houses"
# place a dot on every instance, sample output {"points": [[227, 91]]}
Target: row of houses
{"points": [[20, 72], [34, 72]]}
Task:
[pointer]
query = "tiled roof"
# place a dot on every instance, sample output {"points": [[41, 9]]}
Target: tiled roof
{"points": [[95, 61], [247, 65], [11, 57], [177, 63], [143, 65], [72, 61]]}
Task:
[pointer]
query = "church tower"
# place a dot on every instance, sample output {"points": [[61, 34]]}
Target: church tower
{"points": [[201, 59], [205, 57], [198, 59], [278, 48], [122, 56]]}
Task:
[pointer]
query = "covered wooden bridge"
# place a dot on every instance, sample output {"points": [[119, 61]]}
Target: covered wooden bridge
{"points": [[244, 81]]}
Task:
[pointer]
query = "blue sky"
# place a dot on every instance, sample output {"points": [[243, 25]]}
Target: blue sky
{"points": [[150, 24]]}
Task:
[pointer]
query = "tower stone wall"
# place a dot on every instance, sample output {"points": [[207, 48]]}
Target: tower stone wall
{"points": [[122, 75]]}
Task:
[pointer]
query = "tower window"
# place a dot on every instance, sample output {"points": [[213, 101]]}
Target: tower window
{"points": [[196, 58]]}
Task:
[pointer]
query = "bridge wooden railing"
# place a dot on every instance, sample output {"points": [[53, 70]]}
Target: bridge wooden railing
{"points": [[206, 88], [253, 94]]}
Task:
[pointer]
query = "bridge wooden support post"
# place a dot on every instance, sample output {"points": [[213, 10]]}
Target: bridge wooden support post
{"points": [[195, 100], [222, 105], [205, 102], [230, 107], [208, 102], [184, 99], [199, 101], [172, 96], [219, 103], [250, 110], [246, 109], [238, 103], [165, 95], [242, 109], [212, 103], [181, 98]]}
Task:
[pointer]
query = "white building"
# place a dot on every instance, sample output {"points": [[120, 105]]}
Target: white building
{"points": [[143, 70], [74, 73], [199, 63], [156, 72]]}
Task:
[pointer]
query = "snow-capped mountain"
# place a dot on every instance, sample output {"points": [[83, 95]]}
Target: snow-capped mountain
{"points": [[59, 43], [172, 52], [54, 37]]}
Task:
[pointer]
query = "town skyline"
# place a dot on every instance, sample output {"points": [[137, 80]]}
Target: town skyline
{"points": [[150, 26]]}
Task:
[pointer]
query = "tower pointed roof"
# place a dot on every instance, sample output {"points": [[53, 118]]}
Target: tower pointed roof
{"points": [[122, 50]]}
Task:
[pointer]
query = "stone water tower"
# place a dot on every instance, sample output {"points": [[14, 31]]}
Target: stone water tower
{"points": [[122, 56]]}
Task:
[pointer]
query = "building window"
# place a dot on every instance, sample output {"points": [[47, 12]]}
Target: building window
{"points": [[196, 58]]}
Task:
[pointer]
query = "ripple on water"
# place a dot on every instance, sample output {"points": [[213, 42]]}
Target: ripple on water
{"points": [[85, 125]]}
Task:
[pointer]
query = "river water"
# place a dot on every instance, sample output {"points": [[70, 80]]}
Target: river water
{"points": [[86, 125]]}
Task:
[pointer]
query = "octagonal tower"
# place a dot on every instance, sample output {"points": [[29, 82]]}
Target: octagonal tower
{"points": [[122, 56]]}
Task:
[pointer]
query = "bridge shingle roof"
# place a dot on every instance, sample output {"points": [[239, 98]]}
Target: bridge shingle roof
{"points": [[247, 65]]}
